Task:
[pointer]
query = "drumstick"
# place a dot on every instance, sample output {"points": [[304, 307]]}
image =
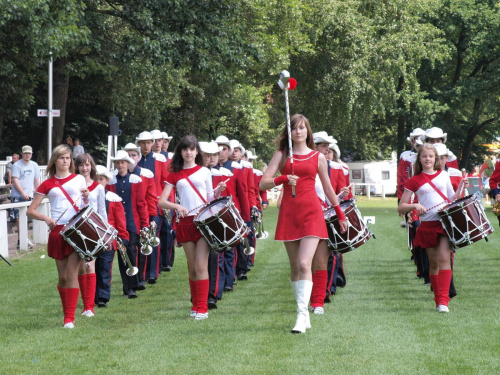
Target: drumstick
{"points": [[59, 218], [213, 191]]}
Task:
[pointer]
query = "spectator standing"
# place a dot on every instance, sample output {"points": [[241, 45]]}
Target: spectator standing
{"points": [[25, 179], [77, 149], [8, 169]]}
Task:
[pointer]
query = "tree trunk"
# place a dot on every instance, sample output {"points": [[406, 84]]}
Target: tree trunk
{"points": [[401, 120], [60, 99]]}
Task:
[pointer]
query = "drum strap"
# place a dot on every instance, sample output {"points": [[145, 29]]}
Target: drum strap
{"points": [[194, 188], [73, 203], [435, 188]]}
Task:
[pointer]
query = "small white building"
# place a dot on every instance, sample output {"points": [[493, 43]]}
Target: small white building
{"points": [[381, 173]]}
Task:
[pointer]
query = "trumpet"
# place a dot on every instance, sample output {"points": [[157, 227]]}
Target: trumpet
{"points": [[131, 270], [249, 250], [146, 248], [168, 216], [153, 239], [259, 224]]}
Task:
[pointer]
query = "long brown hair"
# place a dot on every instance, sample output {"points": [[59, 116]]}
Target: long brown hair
{"points": [[295, 120], [417, 167], [56, 153], [188, 141], [84, 158]]}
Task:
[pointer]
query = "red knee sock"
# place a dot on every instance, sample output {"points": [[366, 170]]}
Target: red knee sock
{"points": [[435, 287], [82, 282], [202, 289], [320, 279], [88, 301], [69, 299], [192, 288], [444, 281]]}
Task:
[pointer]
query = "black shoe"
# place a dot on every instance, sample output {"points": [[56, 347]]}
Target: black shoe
{"points": [[327, 300], [142, 285], [212, 304], [242, 276], [166, 268], [131, 294], [234, 282], [152, 281], [227, 289], [101, 304]]}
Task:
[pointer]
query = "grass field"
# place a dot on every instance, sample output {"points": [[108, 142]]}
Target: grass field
{"points": [[382, 322]]}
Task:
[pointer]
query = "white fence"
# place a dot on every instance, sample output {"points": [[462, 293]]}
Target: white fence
{"points": [[40, 229], [273, 194]]}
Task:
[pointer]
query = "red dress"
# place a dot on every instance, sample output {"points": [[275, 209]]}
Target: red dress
{"points": [[301, 216]]}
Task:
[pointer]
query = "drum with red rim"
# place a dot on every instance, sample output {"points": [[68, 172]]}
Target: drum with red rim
{"points": [[88, 233], [356, 234], [221, 224], [464, 221]]}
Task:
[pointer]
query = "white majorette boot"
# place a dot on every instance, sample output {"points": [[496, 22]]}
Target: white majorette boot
{"points": [[302, 290]]}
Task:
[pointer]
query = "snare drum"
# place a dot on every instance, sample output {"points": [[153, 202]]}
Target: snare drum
{"points": [[221, 224], [356, 234], [88, 233], [465, 221]]}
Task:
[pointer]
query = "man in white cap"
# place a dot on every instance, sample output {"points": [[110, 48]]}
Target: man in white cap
{"points": [[406, 160], [167, 250], [210, 155], [243, 263], [25, 180], [157, 141], [151, 197], [158, 164], [116, 218], [240, 200], [129, 188], [164, 147]]}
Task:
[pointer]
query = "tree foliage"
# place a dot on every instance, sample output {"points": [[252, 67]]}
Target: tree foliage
{"points": [[368, 71]]}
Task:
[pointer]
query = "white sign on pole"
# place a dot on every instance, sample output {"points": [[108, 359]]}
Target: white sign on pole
{"points": [[45, 113]]}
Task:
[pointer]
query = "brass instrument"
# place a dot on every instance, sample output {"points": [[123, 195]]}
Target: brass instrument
{"points": [[168, 216], [249, 250], [131, 270], [259, 224], [153, 239], [146, 248]]}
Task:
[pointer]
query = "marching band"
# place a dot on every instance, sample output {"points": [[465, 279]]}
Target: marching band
{"points": [[208, 198]]}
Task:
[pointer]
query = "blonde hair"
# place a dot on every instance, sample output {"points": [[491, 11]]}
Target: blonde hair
{"points": [[56, 153], [417, 167]]}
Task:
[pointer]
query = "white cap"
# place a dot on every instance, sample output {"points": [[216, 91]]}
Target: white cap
{"points": [[323, 137], [132, 147], [156, 134], [165, 136], [210, 147], [223, 140], [250, 155], [435, 133], [122, 155], [417, 132], [144, 136], [451, 156], [236, 144], [441, 149], [102, 171], [335, 148]]}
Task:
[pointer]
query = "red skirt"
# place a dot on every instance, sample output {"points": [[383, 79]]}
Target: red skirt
{"points": [[428, 234], [187, 230], [57, 247]]}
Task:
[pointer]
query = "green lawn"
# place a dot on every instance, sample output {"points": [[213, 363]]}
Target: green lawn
{"points": [[382, 322]]}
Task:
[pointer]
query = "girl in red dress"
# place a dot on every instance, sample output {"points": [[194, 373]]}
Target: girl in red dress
{"points": [[193, 183], [85, 166], [301, 223], [64, 190], [433, 189]]}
